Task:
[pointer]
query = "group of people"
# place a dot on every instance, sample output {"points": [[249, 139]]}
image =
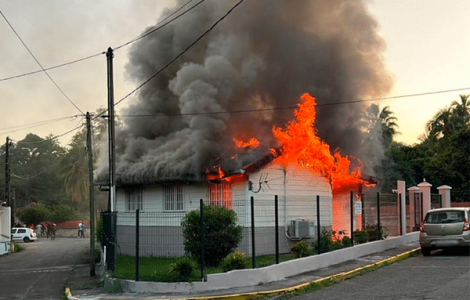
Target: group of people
{"points": [[48, 230]]}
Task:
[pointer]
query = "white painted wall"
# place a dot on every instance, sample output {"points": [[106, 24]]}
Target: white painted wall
{"points": [[297, 190]]}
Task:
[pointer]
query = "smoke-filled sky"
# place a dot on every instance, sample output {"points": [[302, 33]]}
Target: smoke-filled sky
{"points": [[262, 56]]}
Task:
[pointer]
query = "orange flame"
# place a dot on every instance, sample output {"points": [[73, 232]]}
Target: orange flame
{"points": [[301, 145], [251, 143]]}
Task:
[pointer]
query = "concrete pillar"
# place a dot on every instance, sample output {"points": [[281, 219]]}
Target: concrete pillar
{"points": [[444, 191], [425, 190], [401, 190], [414, 220]]}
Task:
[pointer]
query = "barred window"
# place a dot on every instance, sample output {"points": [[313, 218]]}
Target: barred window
{"points": [[220, 194], [134, 199], [173, 195]]}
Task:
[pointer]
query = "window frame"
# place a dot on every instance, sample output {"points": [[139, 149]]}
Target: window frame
{"points": [[133, 198], [173, 196]]}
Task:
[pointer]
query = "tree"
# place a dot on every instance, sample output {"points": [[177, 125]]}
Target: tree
{"points": [[34, 163], [36, 214], [379, 125], [73, 168], [448, 121]]}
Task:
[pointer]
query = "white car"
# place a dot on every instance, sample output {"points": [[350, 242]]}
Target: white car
{"points": [[23, 234]]}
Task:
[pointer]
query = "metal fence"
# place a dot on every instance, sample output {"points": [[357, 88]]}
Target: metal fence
{"points": [[269, 227]]}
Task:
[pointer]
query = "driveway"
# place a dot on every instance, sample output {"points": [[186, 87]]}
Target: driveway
{"points": [[42, 269]]}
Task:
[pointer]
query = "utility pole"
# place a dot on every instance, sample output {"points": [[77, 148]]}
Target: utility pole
{"points": [[7, 182], [112, 189], [92, 194]]}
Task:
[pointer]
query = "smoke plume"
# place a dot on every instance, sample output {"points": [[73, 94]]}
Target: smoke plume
{"points": [[242, 79]]}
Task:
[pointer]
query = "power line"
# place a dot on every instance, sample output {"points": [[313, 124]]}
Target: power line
{"points": [[39, 123], [34, 125], [51, 138], [158, 26], [63, 93], [293, 107], [29, 177], [116, 48], [52, 68]]}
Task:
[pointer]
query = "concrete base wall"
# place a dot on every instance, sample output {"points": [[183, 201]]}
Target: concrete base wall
{"points": [[252, 277]]}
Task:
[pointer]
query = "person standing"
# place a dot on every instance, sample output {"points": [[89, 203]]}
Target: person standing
{"points": [[81, 229], [39, 230]]}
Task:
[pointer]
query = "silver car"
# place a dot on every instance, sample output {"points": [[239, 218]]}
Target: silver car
{"points": [[445, 227]]}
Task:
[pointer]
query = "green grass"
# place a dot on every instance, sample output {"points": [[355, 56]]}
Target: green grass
{"points": [[18, 248], [157, 268]]}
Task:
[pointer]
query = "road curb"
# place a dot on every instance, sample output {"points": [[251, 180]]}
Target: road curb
{"points": [[335, 277]]}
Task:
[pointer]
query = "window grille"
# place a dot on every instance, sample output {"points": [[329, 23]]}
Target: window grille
{"points": [[173, 196], [220, 194]]}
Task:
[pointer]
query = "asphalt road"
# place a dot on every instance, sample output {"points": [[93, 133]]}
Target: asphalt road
{"points": [[443, 275], [42, 269]]}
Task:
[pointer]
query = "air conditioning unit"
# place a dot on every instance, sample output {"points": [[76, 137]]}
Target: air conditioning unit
{"points": [[300, 228]]}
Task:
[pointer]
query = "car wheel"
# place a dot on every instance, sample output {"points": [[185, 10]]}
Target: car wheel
{"points": [[426, 251], [26, 240]]}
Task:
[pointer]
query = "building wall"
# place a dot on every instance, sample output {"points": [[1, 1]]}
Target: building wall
{"points": [[296, 189]]}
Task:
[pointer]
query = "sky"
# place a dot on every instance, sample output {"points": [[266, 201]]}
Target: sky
{"points": [[427, 46]]}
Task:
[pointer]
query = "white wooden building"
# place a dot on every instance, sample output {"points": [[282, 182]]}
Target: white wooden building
{"points": [[167, 202]]}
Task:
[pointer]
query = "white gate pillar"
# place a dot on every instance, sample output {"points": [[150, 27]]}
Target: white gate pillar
{"points": [[425, 189], [401, 189], [444, 191], [412, 191]]}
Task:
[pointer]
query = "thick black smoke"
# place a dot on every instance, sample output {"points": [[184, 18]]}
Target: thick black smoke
{"points": [[262, 57]]}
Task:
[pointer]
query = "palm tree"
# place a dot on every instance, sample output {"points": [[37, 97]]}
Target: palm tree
{"points": [[461, 111], [379, 124], [448, 121], [74, 170]]}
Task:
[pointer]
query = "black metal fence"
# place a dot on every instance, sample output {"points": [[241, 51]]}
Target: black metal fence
{"points": [[270, 228]]}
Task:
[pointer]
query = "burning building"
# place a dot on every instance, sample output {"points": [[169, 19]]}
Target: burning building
{"points": [[240, 81]]}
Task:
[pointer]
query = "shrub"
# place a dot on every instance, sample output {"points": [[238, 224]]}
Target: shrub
{"points": [[221, 234], [361, 236], [301, 249], [234, 261], [183, 267], [325, 241], [346, 241], [99, 232]]}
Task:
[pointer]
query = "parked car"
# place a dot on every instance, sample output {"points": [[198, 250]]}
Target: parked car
{"points": [[23, 234], [443, 228]]}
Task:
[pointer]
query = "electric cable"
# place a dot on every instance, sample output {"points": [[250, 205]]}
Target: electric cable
{"points": [[293, 107], [63, 93], [159, 25], [116, 48]]}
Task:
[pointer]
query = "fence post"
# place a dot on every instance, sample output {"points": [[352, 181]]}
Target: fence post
{"points": [[318, 224], [379, 227], [253, 248], [137, 262], [201, 233], [352, 218], [276, 221], [363, 212]]}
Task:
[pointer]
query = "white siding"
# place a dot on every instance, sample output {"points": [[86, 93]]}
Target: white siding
{"points": [[297, 190]]}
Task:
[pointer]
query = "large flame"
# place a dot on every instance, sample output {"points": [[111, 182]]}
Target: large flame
{"points": [[301, 145]]}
